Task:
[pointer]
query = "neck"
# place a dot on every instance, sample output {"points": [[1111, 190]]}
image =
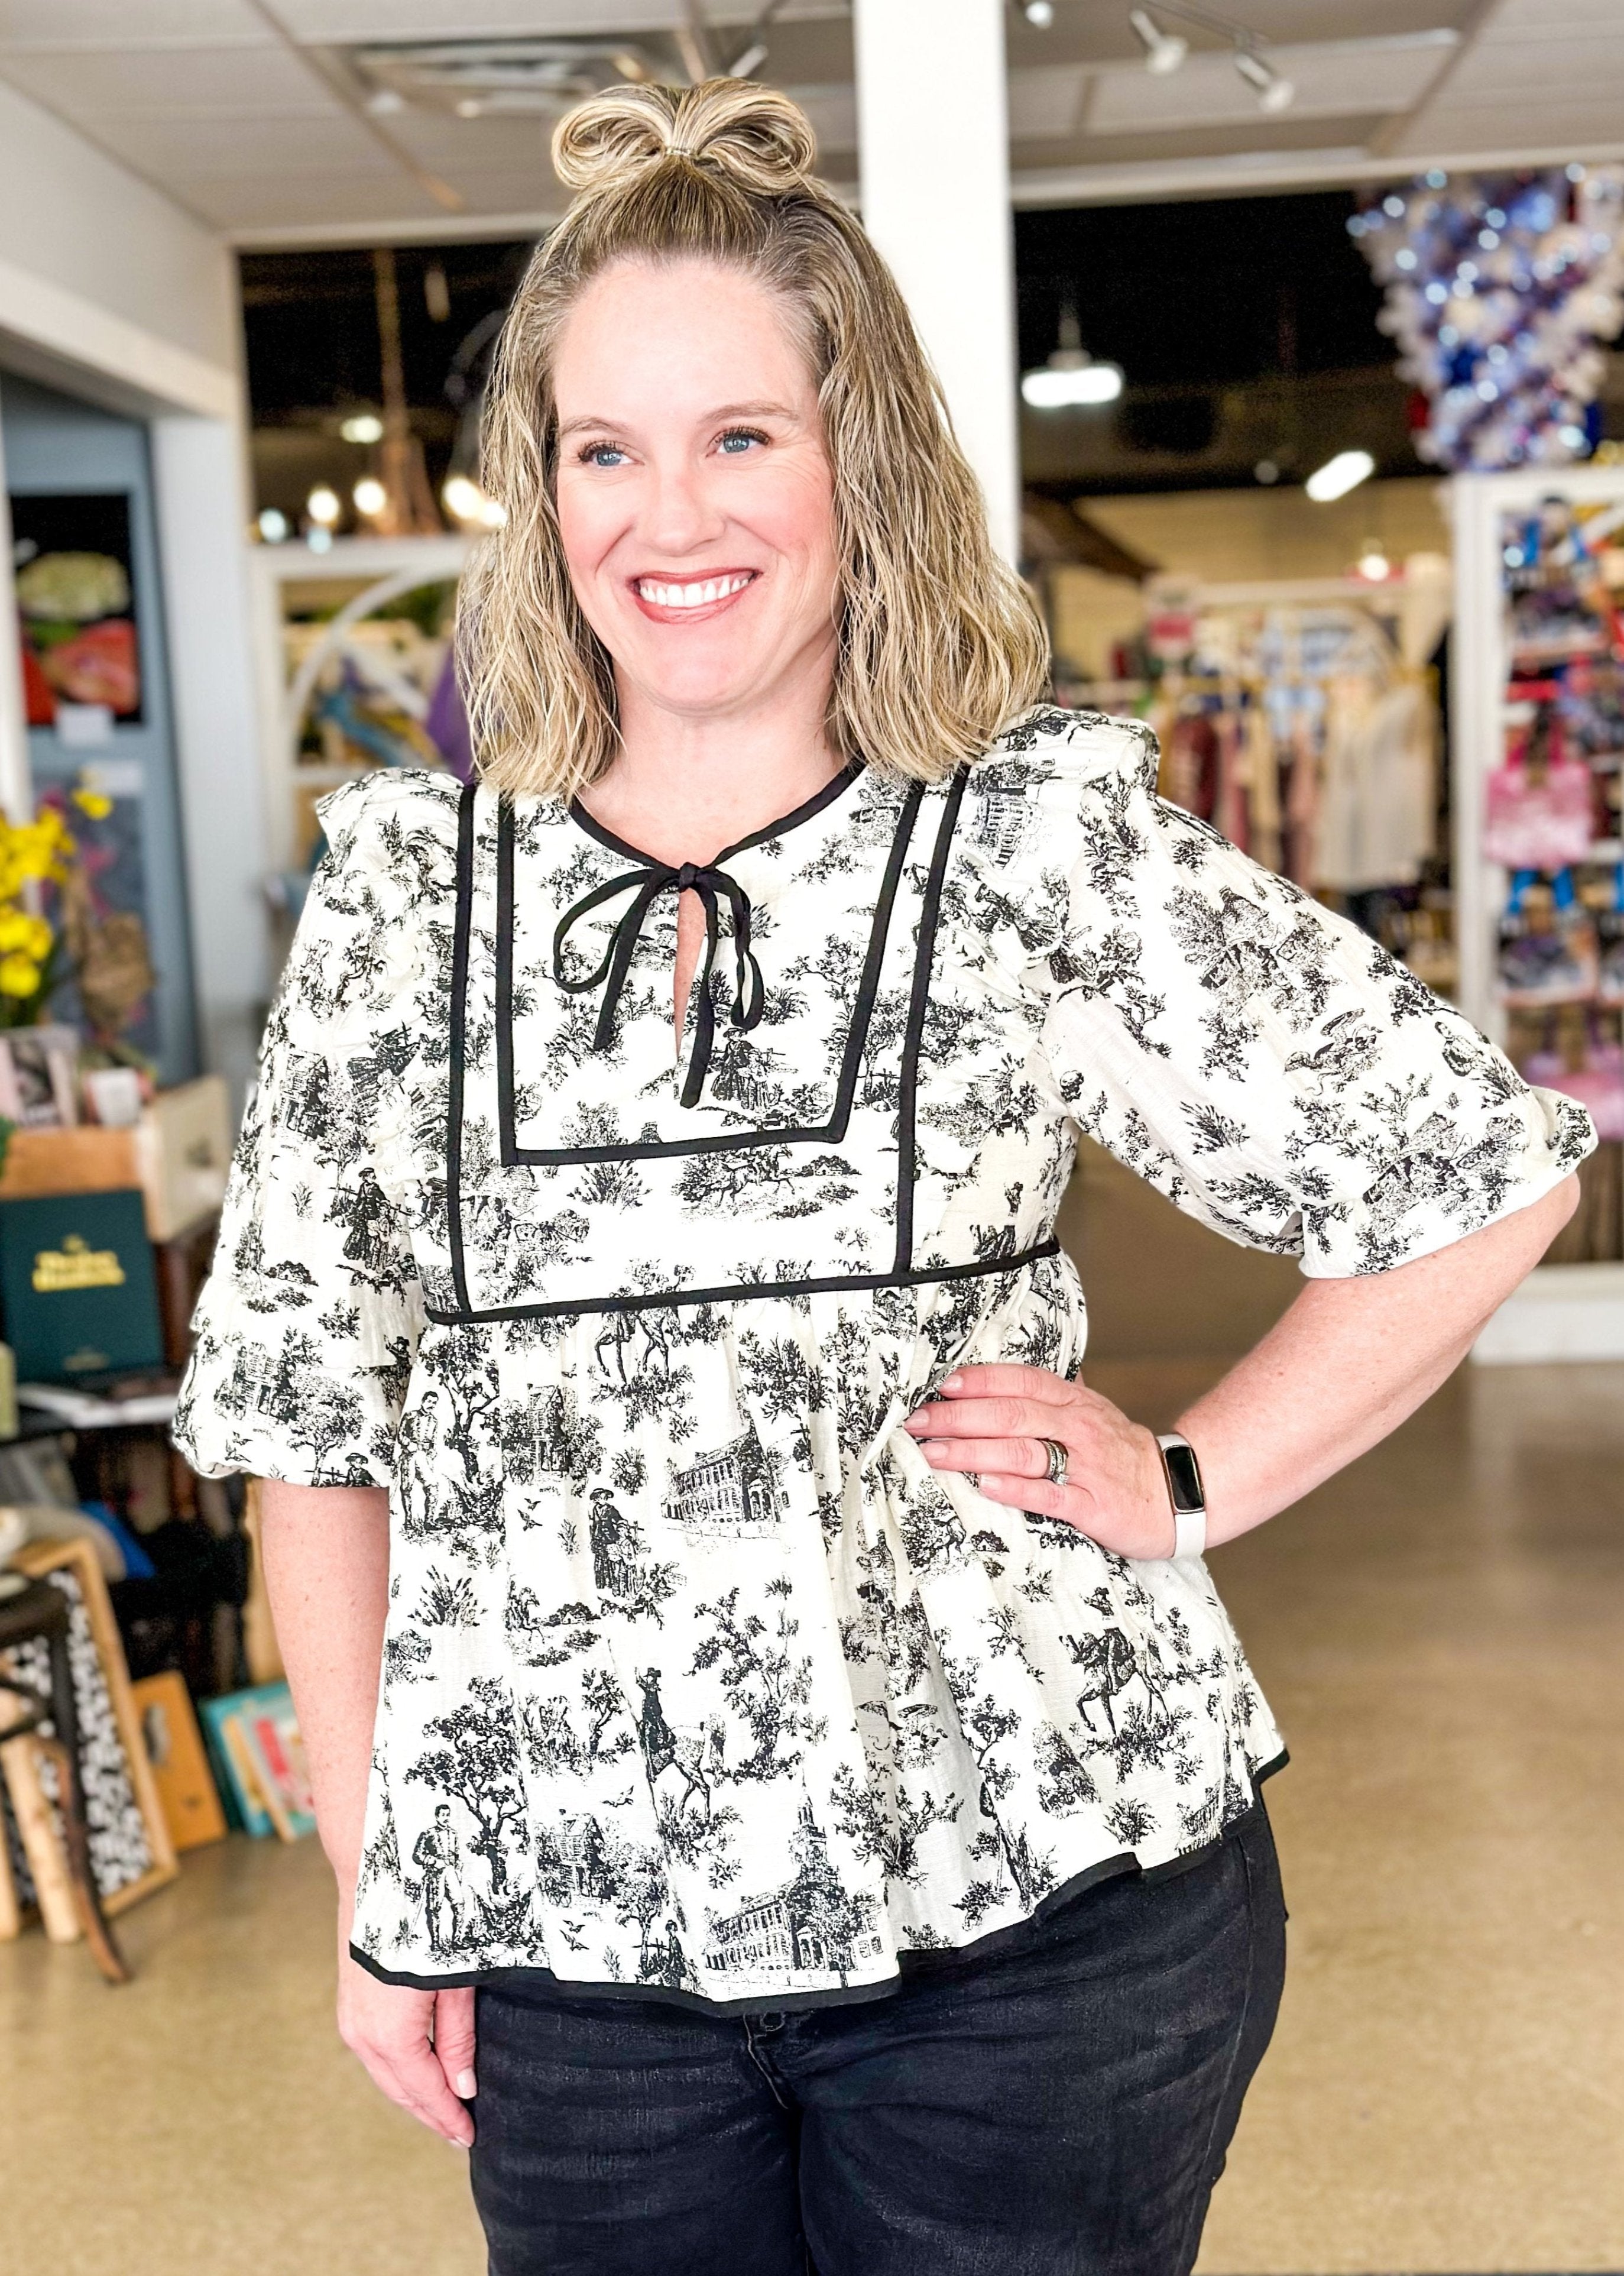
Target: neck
{"points": [[683, 786]]}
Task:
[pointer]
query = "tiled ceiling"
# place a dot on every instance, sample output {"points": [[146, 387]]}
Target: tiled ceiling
{"points": [[253, 114]]}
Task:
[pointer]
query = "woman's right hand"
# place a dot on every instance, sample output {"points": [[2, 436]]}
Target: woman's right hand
{"points": [[417, 2046]]}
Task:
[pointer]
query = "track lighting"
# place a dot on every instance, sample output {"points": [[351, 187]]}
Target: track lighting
{"points": [[1165, 51], [1273, 92]]}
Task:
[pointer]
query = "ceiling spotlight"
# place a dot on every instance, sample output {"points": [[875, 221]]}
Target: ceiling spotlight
{"points": [[1373, 564], [1071, 378], [370, 496], [1273, 92], [272, 526], [362, 427], [1038, 12], [1338, 475], [323, 505], [1165, 51]]}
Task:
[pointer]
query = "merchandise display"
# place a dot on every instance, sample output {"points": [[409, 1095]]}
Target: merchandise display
{"points": [[1551, 819]]}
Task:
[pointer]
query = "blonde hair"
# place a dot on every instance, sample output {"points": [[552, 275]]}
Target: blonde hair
{"points": [[939, 646]]}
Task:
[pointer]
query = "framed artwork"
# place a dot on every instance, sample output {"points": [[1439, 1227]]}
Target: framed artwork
{"points": [[38, 1091], [75, 597], [175, 1749], [131, 1851]]}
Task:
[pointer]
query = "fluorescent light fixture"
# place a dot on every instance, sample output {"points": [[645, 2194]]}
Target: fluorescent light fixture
{"points": [[1338, 475], [1055, 386], [370, 496], [363, 427], [1165, 51], [324, 506], [1274, 94]]}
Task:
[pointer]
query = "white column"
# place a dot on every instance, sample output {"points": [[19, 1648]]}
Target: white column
{"points": [[933, 138], [16, 782], [198, 479]]}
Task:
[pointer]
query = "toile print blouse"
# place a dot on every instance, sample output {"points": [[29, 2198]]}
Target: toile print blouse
{"points": [[697, 1679]]}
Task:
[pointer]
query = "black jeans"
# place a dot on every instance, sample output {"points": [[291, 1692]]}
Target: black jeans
{"points": [[1061, 2108]]}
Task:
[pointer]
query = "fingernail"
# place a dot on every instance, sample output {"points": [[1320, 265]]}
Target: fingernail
{"points": [[953, 1383], [465, 2086]]}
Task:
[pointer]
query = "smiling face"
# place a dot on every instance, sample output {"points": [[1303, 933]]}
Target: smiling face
{"points": [[694, 493]]}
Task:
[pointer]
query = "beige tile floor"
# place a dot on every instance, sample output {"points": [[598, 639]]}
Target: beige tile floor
{"points": [[1442, 1633]]}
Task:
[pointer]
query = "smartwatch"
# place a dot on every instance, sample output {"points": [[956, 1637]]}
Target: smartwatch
{"points": [[1186, 1494]]}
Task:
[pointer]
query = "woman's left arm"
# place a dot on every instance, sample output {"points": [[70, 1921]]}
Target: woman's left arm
{"points": [[1349, 1361]]}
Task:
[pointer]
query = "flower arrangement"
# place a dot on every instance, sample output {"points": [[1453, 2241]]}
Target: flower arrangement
{"points": [[39, 860]]}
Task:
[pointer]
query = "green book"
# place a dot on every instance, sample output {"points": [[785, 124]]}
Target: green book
{"points": [[79, 1287]]}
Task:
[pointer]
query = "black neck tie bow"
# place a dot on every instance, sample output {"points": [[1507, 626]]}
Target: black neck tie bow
{"points": [[646, 884]]}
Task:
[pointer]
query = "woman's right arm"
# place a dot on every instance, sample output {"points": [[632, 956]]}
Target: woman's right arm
{"points": [[326, 1552]]}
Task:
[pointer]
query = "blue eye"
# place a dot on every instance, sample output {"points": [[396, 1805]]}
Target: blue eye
{"points": [[738, 439], [602, 454]]}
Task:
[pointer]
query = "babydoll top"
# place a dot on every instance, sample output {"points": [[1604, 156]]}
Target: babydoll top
{"points": [[697, 1679]]}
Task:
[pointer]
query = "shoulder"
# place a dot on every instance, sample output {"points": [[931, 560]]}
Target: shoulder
{"points": [[1051, 756], [1056, 788], [397, 825]]}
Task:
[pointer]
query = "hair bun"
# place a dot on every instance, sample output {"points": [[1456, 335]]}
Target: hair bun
{"points": [[750, 135]]}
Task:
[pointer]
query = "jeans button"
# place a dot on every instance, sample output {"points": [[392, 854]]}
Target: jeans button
{"points": [[769, 2022]]}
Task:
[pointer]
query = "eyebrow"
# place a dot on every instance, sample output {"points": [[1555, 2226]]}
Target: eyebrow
{"points": [[722, 410]]}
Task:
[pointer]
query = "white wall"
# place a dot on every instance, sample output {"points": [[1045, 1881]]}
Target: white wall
{"points": [[75, 220]]}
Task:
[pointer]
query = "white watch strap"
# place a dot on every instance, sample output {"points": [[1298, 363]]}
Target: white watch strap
{"points": [[1189, 1532]]}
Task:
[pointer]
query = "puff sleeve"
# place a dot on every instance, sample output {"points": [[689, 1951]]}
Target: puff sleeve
{"points": [[1259, 1060], [306, 1328]]}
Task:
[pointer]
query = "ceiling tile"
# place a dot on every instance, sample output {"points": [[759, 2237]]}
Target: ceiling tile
{"points": [[129, 23], [337, 23], [310, 198], [214, 82], [184, 151], [1045, 101]]}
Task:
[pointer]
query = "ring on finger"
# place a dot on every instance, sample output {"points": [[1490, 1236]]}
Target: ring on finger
{"points": [[1057, 1457]]}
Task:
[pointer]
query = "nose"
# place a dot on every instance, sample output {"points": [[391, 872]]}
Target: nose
{"points": [[678, 516]]}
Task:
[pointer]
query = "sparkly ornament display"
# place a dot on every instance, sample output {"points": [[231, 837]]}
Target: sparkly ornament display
{"points": [[1501, 289]]}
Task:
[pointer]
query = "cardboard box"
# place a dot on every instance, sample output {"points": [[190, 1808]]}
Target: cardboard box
{"points": [[178, 1154]]}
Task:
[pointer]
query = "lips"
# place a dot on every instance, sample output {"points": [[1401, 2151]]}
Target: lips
{"points": [[672, 598]]}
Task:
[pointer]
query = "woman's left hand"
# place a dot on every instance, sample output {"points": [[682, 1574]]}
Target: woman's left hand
{"points": [[992, 1422]]}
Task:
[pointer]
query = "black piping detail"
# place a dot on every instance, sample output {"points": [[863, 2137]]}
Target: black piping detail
{"points": [[829, 1132], [930, 912], [751, 1290], [460, 993]]}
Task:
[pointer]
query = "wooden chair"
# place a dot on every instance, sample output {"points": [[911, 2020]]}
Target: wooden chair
{"points": [[39, 1613]]}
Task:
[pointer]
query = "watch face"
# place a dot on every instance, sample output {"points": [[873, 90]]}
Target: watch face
{"points": [[1184, 1476]]}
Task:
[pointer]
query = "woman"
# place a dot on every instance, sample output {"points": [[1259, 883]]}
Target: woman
{"points": [[806, 1722]]}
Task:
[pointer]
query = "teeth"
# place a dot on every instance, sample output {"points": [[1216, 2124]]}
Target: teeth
{"points": [[691, 597]]}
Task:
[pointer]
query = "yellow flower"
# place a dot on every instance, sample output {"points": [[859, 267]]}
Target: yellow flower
{"points": [[20, 975], [95, 803]]}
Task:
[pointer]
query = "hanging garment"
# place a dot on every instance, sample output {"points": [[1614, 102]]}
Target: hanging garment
{"points": [[1375, 824]]}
